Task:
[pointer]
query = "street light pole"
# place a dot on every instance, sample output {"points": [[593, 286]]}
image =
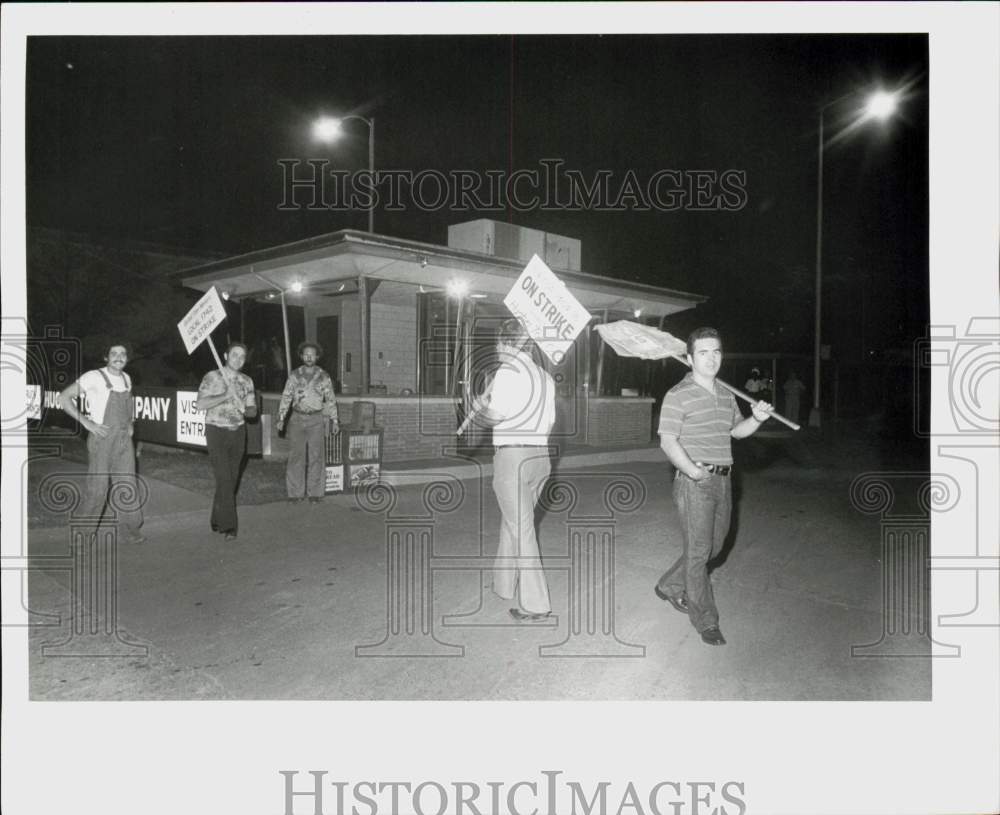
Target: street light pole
{"points": [[371, 171], [880, 106], [327, 128], [814, 414]]}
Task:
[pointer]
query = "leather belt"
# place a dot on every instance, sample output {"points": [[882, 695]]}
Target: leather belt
{"points": [[717, 469], [308, 412], [533, 446]]}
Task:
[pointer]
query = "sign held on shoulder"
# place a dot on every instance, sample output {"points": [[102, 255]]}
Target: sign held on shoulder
{"points": [[550, 314]]}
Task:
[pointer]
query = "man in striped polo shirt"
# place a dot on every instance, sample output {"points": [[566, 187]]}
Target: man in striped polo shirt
{"points": [[698, 420]]}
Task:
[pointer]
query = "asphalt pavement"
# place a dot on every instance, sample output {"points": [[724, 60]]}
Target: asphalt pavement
{"points": [[385, 594]]}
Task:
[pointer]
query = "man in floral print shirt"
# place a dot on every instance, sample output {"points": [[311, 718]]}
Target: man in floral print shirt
{"points": [[227, 397], [310, 398]]}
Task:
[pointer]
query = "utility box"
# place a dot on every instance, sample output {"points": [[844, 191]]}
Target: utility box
{"points": [[505, 240], [361, 446]]}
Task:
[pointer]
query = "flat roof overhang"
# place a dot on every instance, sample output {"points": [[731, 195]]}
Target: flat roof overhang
{"points": [[329, 265]]}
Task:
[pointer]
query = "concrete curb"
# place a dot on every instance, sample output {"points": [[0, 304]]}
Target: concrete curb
{"points": [[474, 470]]}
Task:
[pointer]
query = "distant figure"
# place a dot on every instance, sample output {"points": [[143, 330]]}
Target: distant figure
{"points": [[276, 358], [110, 455], [793, 387], [310, 406], [754, 385], [766, 392]]}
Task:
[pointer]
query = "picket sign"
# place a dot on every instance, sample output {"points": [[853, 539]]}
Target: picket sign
{"points": [[201, 320], [630, 339], [549, 313]]}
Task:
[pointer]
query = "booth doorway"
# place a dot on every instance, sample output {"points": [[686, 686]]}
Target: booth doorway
{"points": [[328, 335]]}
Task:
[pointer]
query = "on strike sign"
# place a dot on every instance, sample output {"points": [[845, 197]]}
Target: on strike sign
{"points": [[202, 319], [551, 315]]}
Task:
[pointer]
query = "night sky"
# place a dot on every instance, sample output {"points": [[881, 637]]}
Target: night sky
{"points": [[177, 141]]}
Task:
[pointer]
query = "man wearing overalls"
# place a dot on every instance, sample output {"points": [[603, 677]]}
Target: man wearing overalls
{"points": [[110, 455]]}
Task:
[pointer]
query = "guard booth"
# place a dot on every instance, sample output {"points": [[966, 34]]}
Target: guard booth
{"points": [[354, 453], [410, 327]]}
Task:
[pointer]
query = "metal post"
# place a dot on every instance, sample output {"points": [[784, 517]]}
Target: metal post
{"points": [[600, 358], [447, 347], [284, 320], [774, 382], [814, 414], [458, 345], [365, 306], [371, 170]]}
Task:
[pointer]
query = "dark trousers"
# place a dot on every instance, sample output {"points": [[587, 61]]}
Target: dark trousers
{"points": [[226, 449], [705, 508]]}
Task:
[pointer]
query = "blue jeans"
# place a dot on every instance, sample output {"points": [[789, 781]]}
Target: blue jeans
{"points": [[705, 508]]}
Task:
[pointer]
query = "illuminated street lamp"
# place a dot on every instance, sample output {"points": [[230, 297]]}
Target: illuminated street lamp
{"points": [[328, 129], [880, 105]]}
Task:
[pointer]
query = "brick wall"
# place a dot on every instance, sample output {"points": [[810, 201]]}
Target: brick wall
{"points": [[412, 428], [613, 422]]}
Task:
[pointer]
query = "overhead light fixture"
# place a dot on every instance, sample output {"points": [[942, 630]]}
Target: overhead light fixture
{"points": [[225, 295], [342, 287], [457, 288], [296, 287], [478, 296], [637, 313], [270, 295]]}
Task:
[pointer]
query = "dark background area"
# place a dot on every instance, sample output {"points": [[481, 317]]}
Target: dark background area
{"points": [[176, 141]]}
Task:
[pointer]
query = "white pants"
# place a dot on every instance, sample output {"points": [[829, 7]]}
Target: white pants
{"points": [[519, 473]]}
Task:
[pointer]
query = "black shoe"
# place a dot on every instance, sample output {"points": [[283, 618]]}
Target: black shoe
{"points": [[680, 603], [314, 500], [713, 636], [135, 538], [230, 536], [526, 617], [296, 500]]}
